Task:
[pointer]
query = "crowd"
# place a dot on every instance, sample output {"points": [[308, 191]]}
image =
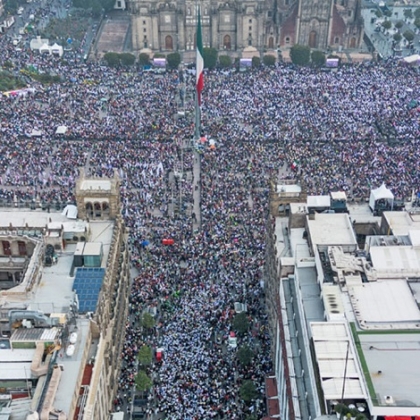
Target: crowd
{"points": [[351, 130]]}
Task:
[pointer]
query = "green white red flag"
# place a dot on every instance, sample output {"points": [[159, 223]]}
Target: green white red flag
{"points": [[199, 67]]}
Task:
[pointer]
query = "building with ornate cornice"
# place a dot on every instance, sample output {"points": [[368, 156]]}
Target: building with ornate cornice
{"points": [[232, 26]]}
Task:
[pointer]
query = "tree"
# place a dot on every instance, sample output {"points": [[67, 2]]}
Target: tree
{"points": [[145, 356], [397, 37], [173, 60], [269, 60], [300, 54], [112, 59], [127, 59], [408, 13], [143, 382], [408, 35], [148, 321], [241, 323], [159, 55], [417, 13], [378, 14], [388, 13], [318, 58], [386, 24], [417, 23], [144, 59], [210, 58], [225, 61], [399, 24], [245, 355], [256, 62], [247, 391]]}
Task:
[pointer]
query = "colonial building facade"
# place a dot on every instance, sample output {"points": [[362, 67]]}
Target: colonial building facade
{"points": [[235, 25]]}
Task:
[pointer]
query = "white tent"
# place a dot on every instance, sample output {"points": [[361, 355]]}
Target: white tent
{"points": [[61, 129], [412, 59], [57, 49], [381, 193], [44, 49], [70, 211]]}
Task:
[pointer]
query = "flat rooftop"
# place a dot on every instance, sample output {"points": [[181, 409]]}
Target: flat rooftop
{"points": [[393, 364], [401, 222], [331, 229], [396, 260], [96, 184], [385, 304]]}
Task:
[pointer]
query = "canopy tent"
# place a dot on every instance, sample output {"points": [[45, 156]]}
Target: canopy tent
{"points": [[412, 59], [70, 211], [44, 49], [61, 129], [381, 193], [56, 49]]}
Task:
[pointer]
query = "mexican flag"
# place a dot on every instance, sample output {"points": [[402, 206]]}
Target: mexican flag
{"points": [[199, 67], [294, 165]]}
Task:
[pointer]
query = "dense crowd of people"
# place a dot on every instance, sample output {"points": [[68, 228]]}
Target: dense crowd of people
{"points": [[349, 129]]}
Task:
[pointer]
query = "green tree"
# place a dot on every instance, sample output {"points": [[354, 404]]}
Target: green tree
{"points": [[388, 13], [148, 321], [417, 13], [245, 355], [159, 55], [241, 323], [251, 417], [397, 37], [408, 35], [247, 391], [318, 58], [107, 5], [225, 61], [378, 14], [112, 59], [173, 60], [269, 60], [399, 24], [145, 355], [8, 64], [300, 54], [143, 382], [256, 62], [386, 24], [210, 58], [144, 59], [127, 59], [408, 13], [417, 23]]}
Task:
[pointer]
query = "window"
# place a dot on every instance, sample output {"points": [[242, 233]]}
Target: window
{"points": [[118, 4], [167, 19], [144, 22], [250, 21], [144, 29], [6, 248], [227, 18], [250, 41], [336, 40], [22, 248], [250, 28], [287, 40], [189, 11], [226, 42], [349, 13]]}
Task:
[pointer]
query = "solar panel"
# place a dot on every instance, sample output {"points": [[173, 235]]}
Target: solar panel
{"points": [[87, 284]]}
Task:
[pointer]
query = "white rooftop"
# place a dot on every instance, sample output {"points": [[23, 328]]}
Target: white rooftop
{"points": [[331, 229], [96, 184], [401, 222], [385, 304], [338, 195], [318, 201], [393, 363], [289, 188], [332, 340], [395, 261]]}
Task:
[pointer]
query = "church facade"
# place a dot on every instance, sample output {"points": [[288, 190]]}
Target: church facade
{"points": [[232, 26]]}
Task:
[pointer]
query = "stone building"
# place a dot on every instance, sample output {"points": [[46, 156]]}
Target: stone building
{"points": [[232, 26]]}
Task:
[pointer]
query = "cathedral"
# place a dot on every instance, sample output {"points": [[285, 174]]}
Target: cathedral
{"points": [[234, 25]]}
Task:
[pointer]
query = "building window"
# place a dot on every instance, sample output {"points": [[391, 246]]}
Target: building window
{"points": [[144, 22], [169, 45], [349, 13], [144, 29], [6, 248], [287, 40], [118, 4], [167, 19], [250, 28], [250, 21], [269, 13], [250, 41], [226, 42], [22, 248], [189, 11], [227, 18], [336, 40]]}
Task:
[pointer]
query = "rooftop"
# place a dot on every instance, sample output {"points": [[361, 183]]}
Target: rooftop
{"points": [[401, 222], [96, 184], [331, 229]]}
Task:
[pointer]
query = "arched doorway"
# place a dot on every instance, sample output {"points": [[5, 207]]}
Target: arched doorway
{"points": [[312, 39], [89, 209], [105, 208], [169, 43], [226, 42], [271, 42], [98, 209], [353, 42]]}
